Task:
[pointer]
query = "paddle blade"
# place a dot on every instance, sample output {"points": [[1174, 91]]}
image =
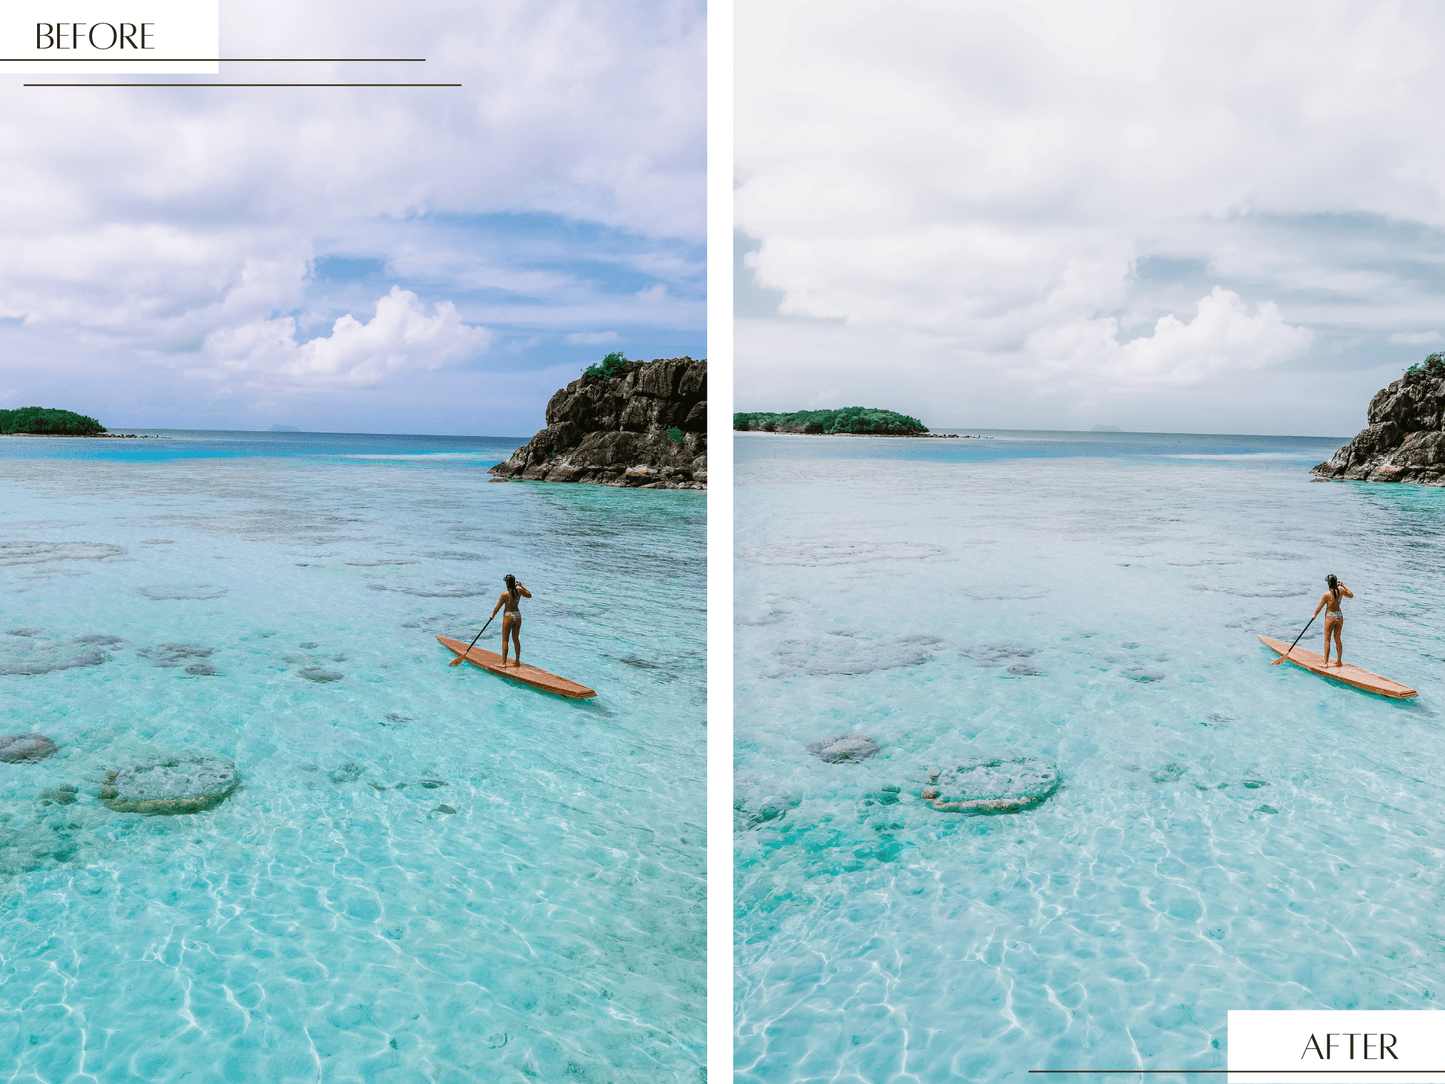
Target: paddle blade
{"points": [[1275, 663], [458, 659]]}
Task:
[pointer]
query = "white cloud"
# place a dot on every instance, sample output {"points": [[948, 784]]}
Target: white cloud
{"points": [[593, 338], [1222, 338], [142, 223], [977, 281], [1013, 183], [1415, 338], [782, 364], [153, 281], [400, 338], [592, 112]]}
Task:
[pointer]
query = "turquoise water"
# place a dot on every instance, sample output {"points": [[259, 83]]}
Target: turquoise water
{"points": [[429, 873], [1227, 835]]}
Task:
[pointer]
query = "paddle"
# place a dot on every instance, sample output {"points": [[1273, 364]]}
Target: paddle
{"points": [[1291, 646], [478, 636]]}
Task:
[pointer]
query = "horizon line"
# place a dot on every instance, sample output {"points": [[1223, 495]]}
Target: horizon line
{"points": [[1008, 429], [267, 432]]}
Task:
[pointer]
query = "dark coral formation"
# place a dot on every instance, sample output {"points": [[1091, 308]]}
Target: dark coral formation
{"points": [[846, 652], [757, 801], [21, 748], [198, 591], [30, 552], [1405, 440], [844, 748], [1014, 656], [51, 658], [167, 656], [182, 783], [992, 786], [645, 427]]}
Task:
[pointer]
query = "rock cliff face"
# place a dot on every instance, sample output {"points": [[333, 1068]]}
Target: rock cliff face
{"points": [[645, 427], [1405, 440]]}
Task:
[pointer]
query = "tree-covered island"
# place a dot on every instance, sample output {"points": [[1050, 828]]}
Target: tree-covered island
{"points": [[48, 421], [884, 423]]}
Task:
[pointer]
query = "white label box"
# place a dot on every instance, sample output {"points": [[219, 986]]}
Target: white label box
{"points": [[61, 38], [1336, 1046]]}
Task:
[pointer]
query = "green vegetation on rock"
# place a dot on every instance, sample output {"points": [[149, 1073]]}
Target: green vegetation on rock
{"points": [[848, 420], [614, 364], [34, 419], [1432, 366]]}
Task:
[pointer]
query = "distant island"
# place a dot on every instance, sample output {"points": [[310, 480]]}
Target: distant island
{"points": [[865, 420], [1106, 429], [283, 429], [48, 421]]}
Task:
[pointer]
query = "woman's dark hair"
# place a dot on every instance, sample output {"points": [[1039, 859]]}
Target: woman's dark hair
{"points": [[512, 585], [1334, 585]]}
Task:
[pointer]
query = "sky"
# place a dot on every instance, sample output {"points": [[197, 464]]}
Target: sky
{"points": [[420, 260], [1169, 217]]}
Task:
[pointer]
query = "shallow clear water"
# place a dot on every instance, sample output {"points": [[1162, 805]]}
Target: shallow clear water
{"points": [[331, 920], [1227, 835]]}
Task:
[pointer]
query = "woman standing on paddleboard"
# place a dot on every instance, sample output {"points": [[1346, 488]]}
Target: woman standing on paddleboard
{"points": [[512, 618], [1334, 619]]}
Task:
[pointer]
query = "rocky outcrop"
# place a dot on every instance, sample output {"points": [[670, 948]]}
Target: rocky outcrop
{"points": [[645, 427], [1405, 440]]}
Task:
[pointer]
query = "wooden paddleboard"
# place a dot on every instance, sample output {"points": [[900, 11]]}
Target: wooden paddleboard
{"points": [[526, 673], [1314, 662]]}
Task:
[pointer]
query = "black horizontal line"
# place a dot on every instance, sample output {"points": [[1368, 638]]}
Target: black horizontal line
{"points": [[214, 59], [242, 84]]}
